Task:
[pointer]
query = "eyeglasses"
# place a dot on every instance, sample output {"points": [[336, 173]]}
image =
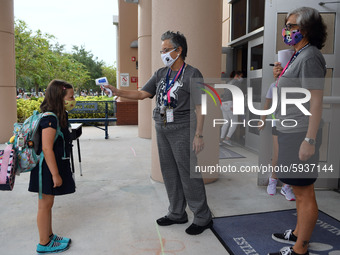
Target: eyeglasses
{"points": [[166, 50], [290, 26]]}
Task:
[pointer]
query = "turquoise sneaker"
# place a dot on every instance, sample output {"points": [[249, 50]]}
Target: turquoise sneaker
{"points": [[53, 247], [60, 239]]}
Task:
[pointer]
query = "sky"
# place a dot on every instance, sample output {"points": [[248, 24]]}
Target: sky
{"points": [[74, 22]]}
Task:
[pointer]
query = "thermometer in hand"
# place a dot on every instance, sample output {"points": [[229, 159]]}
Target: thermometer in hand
{"points": [[103, 81]]}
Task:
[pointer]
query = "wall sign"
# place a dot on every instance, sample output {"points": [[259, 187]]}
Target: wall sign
{"points": [[134, 79], [124, 80]]}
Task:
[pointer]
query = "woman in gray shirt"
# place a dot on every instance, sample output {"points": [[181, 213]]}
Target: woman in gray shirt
{"points": [[176, 113], [299, 132]]}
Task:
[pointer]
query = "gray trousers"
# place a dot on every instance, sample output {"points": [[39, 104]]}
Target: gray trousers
{"points": [[174, 147]]}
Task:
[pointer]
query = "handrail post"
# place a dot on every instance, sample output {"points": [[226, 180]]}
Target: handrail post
{"points": [[106, 120]]}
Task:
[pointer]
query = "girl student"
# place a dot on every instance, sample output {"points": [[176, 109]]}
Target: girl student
{"points": [[57, 177]]}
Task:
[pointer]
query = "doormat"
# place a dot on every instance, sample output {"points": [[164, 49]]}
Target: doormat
{"points": [[227, 153], [252, 233]]}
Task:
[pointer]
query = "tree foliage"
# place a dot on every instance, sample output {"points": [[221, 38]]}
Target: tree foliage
{"points": [[39, 59], [92, 64], [31, 50], [110, 73]]}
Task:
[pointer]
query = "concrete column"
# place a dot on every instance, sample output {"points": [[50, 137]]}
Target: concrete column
{"points": [[127, 110], [201, 23], [8, 104], [127, 33], [144, 66]]}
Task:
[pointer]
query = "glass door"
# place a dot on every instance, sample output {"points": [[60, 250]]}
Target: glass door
{"points": [[275, 11], [254, 81]]}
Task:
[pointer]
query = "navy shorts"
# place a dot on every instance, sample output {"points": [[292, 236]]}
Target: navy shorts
{"points": [[291, 170]]}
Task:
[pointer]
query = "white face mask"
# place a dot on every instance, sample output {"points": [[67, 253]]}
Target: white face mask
{"points": [[167, 59], [240, 79]]}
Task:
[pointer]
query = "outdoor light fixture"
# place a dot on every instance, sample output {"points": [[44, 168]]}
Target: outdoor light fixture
{"points": [[323, 3], [132, 1]]}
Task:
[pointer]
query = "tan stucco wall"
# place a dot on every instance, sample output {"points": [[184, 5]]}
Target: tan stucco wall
{"points": [[7, 71], [225, 23], [144, 66], [128, 31], [204, 52]]}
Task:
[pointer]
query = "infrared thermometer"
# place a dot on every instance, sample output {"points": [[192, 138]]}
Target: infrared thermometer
{"points": [[103, 81]]}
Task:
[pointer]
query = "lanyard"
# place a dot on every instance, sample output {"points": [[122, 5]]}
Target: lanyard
{"points": [[169, 85], [290, 62]]}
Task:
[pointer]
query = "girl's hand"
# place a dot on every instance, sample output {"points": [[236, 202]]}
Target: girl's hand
{"points": [[57, 181], [198, 144]]}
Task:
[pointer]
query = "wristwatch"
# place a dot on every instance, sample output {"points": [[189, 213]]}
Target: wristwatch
{"points": [[310, 141]]}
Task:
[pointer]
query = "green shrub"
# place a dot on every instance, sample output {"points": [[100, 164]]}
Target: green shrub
{"points": [[25, 107]]}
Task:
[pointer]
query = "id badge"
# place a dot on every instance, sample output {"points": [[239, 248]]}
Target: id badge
{"points": [[169, 115]]}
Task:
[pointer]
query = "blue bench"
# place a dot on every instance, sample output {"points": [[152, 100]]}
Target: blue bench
{"points": [[105, 108]]}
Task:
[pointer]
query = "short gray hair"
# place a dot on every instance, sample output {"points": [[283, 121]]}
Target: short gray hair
{"points": [[177, 40], [303, 15], [311, 22]]}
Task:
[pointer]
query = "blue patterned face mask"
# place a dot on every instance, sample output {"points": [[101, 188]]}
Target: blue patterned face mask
{"points": [[291, 37]]}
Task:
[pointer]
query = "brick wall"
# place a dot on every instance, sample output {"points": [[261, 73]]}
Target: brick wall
{"points": [[127, 113]]}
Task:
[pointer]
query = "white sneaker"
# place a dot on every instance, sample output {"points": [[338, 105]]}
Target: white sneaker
{"points": [[271, 188], [287, 191], [228, 142]]}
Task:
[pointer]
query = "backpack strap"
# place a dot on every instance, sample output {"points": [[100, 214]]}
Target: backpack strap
{"points": [[35, 112], [4, 164]]}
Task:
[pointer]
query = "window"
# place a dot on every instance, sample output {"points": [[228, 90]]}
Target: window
{"points": [[329, 19], [256, 15], [256, 57], [244, 22], [239, 18]]}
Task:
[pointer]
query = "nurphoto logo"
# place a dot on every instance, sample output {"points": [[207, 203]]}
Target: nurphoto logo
{"points": [[239, 109]]}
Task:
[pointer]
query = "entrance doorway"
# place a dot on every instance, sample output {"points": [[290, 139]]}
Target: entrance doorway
{"points": [[275, 12], [254, 81]]}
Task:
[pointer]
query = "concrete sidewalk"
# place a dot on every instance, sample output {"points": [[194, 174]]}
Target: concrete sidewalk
{"points": [[116, 203]]}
